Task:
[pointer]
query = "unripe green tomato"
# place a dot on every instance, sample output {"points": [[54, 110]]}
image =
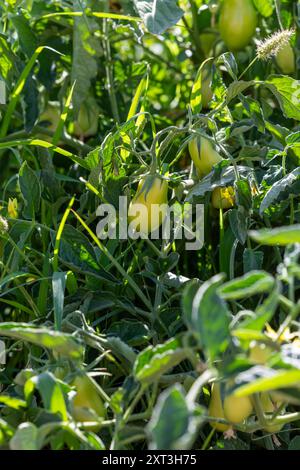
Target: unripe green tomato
{"points": [[223, 198], [86, 124], [215, 409], [87, 403], [269, 406], [285, 59], [151, 192], [237, 409], [204, 156], [50, 117], [237, 24], [207, 40]]}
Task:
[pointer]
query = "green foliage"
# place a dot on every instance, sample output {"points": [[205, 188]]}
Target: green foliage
{"points": [[153, 323]]}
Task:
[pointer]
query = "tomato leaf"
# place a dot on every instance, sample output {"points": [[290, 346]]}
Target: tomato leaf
{"points": [[158, 15]]}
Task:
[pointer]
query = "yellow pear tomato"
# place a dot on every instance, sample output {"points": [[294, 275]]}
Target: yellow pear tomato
{"points": [[148, 208], [204, 156], [237, 409], [215, 409], [87, 403]]}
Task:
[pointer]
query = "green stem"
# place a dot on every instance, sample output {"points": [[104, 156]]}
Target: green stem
{"points": [[248, 67], [109, 72], [277, 9]]}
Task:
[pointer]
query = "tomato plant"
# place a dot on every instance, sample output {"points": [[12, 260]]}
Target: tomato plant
{"points": [[149, 225]]}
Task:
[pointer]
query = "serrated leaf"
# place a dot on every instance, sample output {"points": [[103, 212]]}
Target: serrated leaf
{"points": [[287, 91], [61, 343], [289, 184], [210, 318], [158, 15], [237, 87]]}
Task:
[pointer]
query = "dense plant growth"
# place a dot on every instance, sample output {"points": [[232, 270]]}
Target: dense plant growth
{"points": [[137, 344]]}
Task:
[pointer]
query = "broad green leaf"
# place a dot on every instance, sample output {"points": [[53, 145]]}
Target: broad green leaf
{"points": [[277, 236], [264, 7], [173, 425], [154, 361], [224, 178], [230, 63], [210, 318], [281, 190], [267, 380], [132, 332], [237, 87], [263, 314], [61, 343], [158, 15], [295, 443], [187, 300], [30, 189], [287, 91], [245, 334], [50, 391], [255, 282], [238, 224], [196, 93], [25, 437], [25, 33], [12, 402], [252, 260]]}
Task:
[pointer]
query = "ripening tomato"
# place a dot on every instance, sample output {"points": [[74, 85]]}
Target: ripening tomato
{"points": [[87, 405], [204, 156], [269, 407], [223, 198], [51, 116], [149, 205], [215, 409], [237, 409], [285, 59], [237, 24]]}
